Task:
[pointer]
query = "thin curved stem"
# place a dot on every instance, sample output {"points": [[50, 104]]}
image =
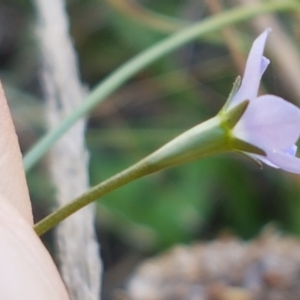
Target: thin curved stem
{"points": [[134, 172], [133, 66]]}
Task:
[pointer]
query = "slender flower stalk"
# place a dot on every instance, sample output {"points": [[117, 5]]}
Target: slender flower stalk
{"points": [[264, 128]]}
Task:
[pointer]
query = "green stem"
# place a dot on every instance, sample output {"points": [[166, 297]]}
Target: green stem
{"points": [[205, 139], [134, 172], [133, 66]]}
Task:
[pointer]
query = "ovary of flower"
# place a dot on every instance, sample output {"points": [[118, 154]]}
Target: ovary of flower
{"points": [[269, 123]]}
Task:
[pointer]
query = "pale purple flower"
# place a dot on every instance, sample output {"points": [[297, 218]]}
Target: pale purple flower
{"points": [[270, 123]]}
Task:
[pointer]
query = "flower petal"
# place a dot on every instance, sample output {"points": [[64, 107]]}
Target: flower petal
{"points": [[291, 151], [255, 67], [284, 161], [263, 159], [269, 122]]}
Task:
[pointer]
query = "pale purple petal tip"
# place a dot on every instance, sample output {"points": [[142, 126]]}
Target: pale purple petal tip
{"points": [[284, 161], [255, 67], [292, 150], [263, 65]]}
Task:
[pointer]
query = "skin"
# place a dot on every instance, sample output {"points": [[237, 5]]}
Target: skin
{"points": [[13, 184], [27, 271]]}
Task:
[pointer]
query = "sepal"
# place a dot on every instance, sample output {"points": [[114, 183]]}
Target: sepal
{"points": [[256, 161], [240, 145], [235, 88], [231, 117]]}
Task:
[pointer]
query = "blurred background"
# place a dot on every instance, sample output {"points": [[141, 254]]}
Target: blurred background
{"points": [[223, 195]]}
